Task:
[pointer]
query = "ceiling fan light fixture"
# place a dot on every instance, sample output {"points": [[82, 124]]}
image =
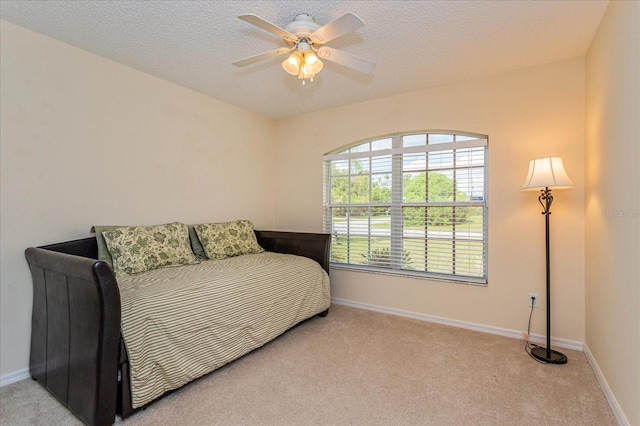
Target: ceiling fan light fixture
{"points": [[293, 63], [309, 67]]}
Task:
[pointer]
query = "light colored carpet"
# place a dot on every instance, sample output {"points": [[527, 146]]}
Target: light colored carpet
{"points": [[357, 367]]}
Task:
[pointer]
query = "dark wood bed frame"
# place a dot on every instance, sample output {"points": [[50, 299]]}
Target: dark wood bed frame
{"points": [[77, 352]]}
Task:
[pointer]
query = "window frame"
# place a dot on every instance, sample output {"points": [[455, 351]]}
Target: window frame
{"points": [[397, 203]]}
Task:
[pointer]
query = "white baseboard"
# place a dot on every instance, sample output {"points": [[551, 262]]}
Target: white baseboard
{"points": [[516, 334], [16, 376], [613, 402]]}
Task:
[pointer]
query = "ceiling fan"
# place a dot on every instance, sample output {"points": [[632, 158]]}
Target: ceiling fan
{"points": [[305, 41]]}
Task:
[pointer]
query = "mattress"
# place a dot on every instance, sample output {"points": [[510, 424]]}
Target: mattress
{"points": [[180, 323]]}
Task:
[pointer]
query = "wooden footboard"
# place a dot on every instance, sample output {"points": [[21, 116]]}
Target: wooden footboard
{"points": [[76, 350], [313, 246]]}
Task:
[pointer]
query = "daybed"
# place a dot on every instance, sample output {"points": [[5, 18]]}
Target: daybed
{"points": [[79, 350]]}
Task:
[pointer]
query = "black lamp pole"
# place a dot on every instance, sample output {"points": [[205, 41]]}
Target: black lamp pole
{"points": [[547, 354]]}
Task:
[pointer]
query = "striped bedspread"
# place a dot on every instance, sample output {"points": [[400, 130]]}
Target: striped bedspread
{"points": [[182, 322]]}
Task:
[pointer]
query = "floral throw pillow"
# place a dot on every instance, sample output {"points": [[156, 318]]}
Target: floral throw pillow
{"points": [[137, 249], [229, 239]]}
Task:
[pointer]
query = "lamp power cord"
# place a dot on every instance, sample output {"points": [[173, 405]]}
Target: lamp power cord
{"points": [[528, 346]]}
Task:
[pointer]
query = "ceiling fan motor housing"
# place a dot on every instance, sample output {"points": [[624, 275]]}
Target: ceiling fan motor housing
{"points": [[302, 25]]}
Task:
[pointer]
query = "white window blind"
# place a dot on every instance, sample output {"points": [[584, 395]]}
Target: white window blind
{"points": [[410, 204]]}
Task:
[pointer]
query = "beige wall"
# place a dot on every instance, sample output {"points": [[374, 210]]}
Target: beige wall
{"points": [[87, 141], [529, 113], [613, 204]]}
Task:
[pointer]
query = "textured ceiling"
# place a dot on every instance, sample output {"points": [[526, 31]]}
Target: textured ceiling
{"points": [[416, 44]]}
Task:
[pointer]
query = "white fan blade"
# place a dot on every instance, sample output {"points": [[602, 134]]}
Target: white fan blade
{"points": [[268, 26], [256, 58], [346, 59], [343, 25]]}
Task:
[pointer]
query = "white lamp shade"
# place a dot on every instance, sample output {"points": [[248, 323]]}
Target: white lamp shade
{"points": [[292, 63], [314, 65], [546, 172]]}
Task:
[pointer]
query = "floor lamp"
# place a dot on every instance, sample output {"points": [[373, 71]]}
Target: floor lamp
{"points": [[546, 174]]}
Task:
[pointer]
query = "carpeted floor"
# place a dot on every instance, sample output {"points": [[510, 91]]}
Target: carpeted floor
{"points": [[358, 367]]}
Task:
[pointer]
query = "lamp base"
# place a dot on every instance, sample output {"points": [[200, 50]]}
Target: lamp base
{"points": [[555, 357]]}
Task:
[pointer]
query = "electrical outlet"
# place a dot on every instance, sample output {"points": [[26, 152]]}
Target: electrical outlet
{"points": [[532, 298]]}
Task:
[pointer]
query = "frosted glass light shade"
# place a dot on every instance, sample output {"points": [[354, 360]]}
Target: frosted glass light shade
{"points": [[546, 172], [292, 63], [314, 65]]}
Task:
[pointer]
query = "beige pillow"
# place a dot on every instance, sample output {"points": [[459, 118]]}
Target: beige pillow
{"points": [[229, 239], [136, 249]]}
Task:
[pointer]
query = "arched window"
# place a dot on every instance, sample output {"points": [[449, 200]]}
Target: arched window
{"points": [[410, 204]]}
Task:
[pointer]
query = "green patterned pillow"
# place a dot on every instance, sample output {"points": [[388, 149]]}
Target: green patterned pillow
{"points": [[222, 240], [103, 250], [137, 249]]}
